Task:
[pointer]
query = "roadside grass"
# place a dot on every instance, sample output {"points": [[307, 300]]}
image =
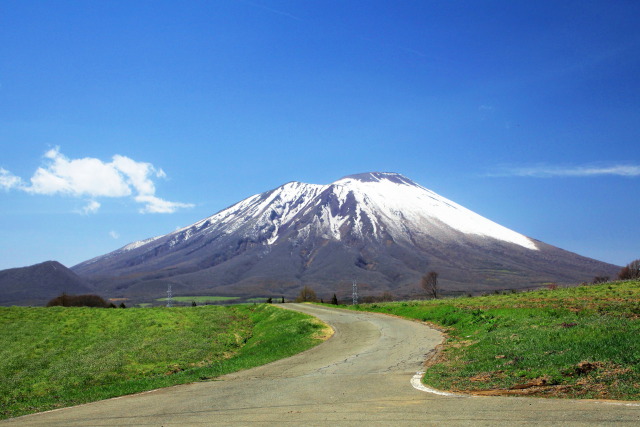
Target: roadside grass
{"points": [[580, 342], [199, 299], [57, 357]]}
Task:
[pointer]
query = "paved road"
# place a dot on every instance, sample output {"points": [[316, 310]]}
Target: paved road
{"points": [[361, 376]]}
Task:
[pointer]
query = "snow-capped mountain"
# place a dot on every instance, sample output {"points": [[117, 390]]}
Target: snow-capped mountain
{"points": [[381, 229]]}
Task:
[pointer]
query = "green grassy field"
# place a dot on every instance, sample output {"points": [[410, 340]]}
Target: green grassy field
{"points": [[56, 357], [200, 299], [571, 342]]}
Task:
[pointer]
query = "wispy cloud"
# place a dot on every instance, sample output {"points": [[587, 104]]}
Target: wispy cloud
{"points": [[91, 207], [153, 204], [547, 171], [114, 234], [93, 178], [9, 181], [272, 10]]}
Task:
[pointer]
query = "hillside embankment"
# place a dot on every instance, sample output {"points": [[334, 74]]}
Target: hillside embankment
{"points": [[62, 356], [579, 342]]}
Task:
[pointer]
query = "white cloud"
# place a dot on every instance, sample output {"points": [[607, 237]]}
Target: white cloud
{"points": [[79, 177], [572, 171], [91, 177], [9, 180], [91, 208], [137, 174], [154, 204], [114, 235]]}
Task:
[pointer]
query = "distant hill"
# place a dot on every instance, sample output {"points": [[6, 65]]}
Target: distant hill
{"points": [[37, 284], [381, 229]]}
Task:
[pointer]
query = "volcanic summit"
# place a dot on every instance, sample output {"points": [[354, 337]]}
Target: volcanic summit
{"points": [[381, 229]]}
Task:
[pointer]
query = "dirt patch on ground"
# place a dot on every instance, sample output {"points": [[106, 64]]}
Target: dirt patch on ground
{"points": [[536, 387], [325, 332], [592, 379], [434, 357], [531, 390]]}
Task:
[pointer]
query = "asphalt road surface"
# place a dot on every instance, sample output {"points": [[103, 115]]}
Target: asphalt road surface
{"points": [[360, 376]]}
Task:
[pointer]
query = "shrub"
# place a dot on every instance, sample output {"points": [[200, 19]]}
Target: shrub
{"points": [[307, 295], [387, 296], [88, 300], [631, 271]]}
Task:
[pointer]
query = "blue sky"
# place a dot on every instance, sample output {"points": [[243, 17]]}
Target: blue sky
{"points": [[121, 121]]}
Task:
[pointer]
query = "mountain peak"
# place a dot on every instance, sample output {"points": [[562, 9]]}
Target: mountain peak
{"points": [[37, 284], [380, 228], [379, 176]]}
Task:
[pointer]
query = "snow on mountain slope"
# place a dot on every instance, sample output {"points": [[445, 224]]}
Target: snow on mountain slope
{"points": [[364, 206], [252, 217], [381, 229], [401, 204]]}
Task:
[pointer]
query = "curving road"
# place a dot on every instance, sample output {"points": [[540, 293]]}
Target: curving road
{"points": [[360, 376]]}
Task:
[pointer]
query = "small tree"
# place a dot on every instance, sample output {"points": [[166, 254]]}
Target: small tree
{"points": [[386, 296], [307, 295], [269, 300], [282, 300], [600, 279], [334, 300], [430, 284], [193, 304], [122, 305], [631, 271]]}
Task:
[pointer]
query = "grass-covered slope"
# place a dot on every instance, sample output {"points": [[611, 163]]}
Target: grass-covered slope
{"points": [[55, 357], [571, 342]]}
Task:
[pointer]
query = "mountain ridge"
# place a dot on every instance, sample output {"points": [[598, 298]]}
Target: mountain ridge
{"points": [[379, 228], [38, 283]]}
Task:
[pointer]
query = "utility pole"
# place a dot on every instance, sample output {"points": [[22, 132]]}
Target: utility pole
{"points": [[169, 296], [354, 292]]}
